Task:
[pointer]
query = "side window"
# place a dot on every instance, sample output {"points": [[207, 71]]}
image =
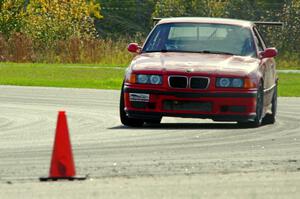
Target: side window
{"points": [[258, 40]]}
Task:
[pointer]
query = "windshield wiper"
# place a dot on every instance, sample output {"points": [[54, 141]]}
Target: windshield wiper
{"points": [[155, 51], [204, 51], [216, 52]]}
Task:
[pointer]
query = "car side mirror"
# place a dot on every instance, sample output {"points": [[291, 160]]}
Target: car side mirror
{"points": [[133, 48], [269, 53]]}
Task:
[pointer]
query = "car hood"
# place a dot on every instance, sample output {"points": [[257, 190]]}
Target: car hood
{"points": [[195, 62]]}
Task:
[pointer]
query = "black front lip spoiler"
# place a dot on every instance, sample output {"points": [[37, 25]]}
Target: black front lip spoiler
{"points": [[192, 95], [155, 115]]}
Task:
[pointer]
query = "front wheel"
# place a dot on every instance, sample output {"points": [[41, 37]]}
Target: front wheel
{"points": [[271, 118], [259, 110], [259, 107], [127, 121]]}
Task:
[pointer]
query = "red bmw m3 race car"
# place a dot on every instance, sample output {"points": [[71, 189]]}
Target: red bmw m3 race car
{"points": [[201, 68]]}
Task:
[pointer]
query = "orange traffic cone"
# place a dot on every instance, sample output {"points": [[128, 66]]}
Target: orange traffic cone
{"points": [[62, 163]]}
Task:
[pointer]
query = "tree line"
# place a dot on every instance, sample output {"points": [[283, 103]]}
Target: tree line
{"points": [[135, 16], [51, 26]]}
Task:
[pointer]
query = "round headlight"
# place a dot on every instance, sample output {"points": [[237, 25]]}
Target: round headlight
{"points": [[224, 82], [237, 82], [155, 79], [142, 79]]}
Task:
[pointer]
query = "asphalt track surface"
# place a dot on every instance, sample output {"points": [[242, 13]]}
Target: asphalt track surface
{"points": [[181, 158]]}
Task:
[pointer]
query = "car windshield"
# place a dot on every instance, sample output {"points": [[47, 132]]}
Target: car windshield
{"points": [[201, 38]]}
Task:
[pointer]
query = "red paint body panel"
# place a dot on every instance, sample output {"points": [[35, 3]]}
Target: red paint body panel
{"points": [[198, 63], [217, 103]]}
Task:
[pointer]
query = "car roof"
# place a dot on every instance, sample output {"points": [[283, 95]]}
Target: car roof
{"points": [[208, 20]]}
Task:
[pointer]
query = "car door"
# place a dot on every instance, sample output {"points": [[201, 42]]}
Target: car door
{"points": [[268, 68]]}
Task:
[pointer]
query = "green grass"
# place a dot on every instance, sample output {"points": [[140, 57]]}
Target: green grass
{"points": [[53, 75], [13, 64], [95, 76], [289, 84]]}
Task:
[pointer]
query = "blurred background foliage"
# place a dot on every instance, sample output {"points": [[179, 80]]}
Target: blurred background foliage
{"points": [[48, 21], [97, 31]]}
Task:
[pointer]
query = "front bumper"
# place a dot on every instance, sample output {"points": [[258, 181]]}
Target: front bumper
{"points": [[216, 105]]}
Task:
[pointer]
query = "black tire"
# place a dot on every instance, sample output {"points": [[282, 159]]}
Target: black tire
{"points": [[153, 121], [271, 118], [259, 110], [132, 122], [259, 107]]}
